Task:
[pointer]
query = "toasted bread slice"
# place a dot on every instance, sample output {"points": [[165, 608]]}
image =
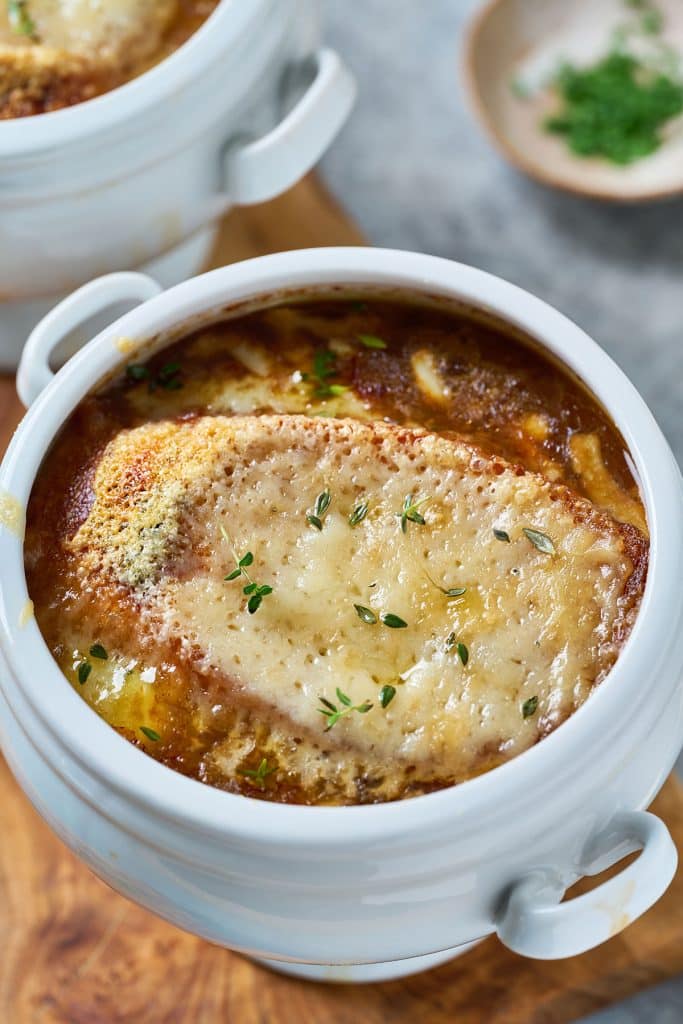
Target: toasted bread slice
{"points": [[489, 599]]}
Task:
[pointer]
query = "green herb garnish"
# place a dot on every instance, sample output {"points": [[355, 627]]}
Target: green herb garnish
{"points": [[20, 20], [136, 372], [502, 535], [333, 713], [386, 695], [529, 707], [254, 591], [393, 621], [365, 614], [454, 591], [84, 670], [98, 651], [371, 341], [461, 648], [322, 503], [541, 541], [168, 377], [616, 108], [410, 512], [359, 513], [324, 368], [151, 734], [259, 774]]}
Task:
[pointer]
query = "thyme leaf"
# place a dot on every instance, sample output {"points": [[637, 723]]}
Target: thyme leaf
{"points": [[98, 651], [393, 621], [324, 367], [386, 695], [84, 670], [541, 541], [359, 513], [502, 535], [529, 707], [365, 614], [151, 734]]}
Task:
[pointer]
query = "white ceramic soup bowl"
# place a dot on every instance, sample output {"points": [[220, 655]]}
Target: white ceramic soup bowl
{"points": [[368, 885], [140, 175]]}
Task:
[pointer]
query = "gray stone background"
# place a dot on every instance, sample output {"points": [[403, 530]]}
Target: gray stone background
{"points": [[416, 172]]}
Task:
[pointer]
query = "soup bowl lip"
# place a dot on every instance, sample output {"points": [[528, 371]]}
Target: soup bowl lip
{"points": [[573, 752], [38, 134]]}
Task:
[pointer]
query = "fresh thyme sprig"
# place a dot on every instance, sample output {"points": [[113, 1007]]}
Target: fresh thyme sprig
{"points": [[259, 774], [411, 512], [324, 367], [254, 591], [333, 713], [322, 503]]}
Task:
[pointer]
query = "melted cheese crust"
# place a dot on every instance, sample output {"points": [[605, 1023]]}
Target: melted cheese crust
{"points": [[535, 625]]}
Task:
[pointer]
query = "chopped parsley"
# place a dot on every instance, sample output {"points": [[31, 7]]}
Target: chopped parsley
{"points": [[616, 108]]}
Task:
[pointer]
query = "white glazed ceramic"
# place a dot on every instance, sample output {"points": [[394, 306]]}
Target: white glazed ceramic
{"points": [[140, 175], [373, 884], [526, 41]]}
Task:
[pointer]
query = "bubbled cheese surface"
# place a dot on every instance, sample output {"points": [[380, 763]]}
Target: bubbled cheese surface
{"points": [[535, 625]]}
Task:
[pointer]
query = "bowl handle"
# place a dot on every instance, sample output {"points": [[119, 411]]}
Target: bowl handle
{"points": [[534, 923], [256, 171], [34, 372]]}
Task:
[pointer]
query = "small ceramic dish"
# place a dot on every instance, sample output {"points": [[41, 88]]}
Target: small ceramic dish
{"points": [[514, 46], [359, 892]]}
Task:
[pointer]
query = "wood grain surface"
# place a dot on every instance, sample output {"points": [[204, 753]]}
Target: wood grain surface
{"points": [[74, 952]]}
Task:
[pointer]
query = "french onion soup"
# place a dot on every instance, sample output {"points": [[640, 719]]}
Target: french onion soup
{"points": [[337, 551], [56, 53]]}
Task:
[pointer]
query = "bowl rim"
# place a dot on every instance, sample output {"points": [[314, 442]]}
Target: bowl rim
{"points": [[584, 739], [515, 157], [219, 33]]}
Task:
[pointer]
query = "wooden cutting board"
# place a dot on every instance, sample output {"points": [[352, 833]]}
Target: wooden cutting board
{"points": [[74, 952]]}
